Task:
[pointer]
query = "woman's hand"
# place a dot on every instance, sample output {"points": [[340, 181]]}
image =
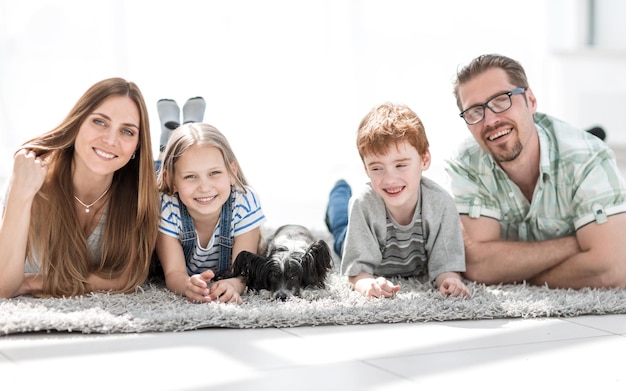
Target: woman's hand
{"points": [[29, 173], [32, 284]]}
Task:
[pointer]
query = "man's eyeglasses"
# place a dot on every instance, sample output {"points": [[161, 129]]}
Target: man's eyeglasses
{"points": [[497, 104]]}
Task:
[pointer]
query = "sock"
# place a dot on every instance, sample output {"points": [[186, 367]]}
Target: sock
{"points": [[193, 110], [169, 115]]}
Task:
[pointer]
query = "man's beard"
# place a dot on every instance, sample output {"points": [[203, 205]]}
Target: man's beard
{"points": [[507, 155]]}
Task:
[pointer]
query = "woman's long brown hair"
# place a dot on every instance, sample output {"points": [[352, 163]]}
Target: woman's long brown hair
{"points": [[55, 237]]}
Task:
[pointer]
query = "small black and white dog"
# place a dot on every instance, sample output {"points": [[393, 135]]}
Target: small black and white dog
{"points": [[294, 260]]}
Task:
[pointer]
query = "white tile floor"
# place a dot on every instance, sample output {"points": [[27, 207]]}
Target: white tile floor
{"points": [[540, 354], [526, 354]]}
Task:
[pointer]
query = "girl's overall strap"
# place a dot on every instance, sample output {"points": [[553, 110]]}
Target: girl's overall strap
{"points": [[188, 235], [225, 242]]}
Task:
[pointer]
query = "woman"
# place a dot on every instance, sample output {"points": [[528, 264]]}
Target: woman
{"points": [[81, 209]]}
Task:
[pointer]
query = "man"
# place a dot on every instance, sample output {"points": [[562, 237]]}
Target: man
{"points": [[539, 200]]}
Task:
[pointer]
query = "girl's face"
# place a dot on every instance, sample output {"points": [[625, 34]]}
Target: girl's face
{"points": [[108, 137], [396, 176], [202, 180]]}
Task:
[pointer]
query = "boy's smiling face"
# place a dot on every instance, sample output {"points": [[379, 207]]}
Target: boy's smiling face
{"points": [[396, 177]]}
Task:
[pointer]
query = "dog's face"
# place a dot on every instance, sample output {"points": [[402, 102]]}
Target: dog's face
{"points": [[294, 261], [284, 270]]}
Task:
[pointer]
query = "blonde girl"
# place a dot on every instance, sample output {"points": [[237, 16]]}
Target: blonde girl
{"points": [[208, 215]]}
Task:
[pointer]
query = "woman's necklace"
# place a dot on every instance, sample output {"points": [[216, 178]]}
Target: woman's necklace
{"points": [[87, 207]]}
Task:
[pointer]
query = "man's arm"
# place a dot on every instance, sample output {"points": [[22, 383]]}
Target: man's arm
{"points": [[601, 263], [490, 260]]}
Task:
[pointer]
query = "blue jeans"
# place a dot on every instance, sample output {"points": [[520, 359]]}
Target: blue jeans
{"points": [[337, 213]]}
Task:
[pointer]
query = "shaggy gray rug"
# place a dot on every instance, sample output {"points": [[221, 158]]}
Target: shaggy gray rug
{"points": [[153, 308]]}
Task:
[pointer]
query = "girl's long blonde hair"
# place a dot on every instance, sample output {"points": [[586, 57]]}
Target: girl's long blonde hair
{"points": [[55, 237], [185, 137]]}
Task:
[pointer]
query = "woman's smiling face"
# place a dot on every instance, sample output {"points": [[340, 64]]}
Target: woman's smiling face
{"points": [[108, 137]]}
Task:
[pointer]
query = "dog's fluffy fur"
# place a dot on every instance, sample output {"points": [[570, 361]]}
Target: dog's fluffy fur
{"points": [[294, 260]]}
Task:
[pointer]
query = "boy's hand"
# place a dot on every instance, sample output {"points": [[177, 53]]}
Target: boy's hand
{"points": [[376, 287], [452, 286]]}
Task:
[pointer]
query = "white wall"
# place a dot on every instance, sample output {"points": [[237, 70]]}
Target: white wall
{"points": [[588, 88], [287, 81], [587, 85]]}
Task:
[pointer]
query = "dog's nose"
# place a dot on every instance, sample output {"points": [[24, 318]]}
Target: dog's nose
{"points": [[281, 296]]}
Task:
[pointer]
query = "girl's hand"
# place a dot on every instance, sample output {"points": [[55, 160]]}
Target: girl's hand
{"points": [[228, 290], [29, 173], [197, 287]]}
